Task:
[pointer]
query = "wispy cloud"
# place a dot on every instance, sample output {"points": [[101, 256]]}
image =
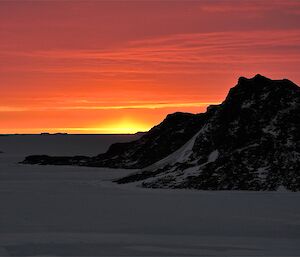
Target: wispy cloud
{"points": [[182, 53], [252, 7], [141, 106], [89, 106], [14, 109]]}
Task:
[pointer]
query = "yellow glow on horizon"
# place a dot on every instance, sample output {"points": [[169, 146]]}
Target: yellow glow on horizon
{"points": [[122, 127], [125, 126]]}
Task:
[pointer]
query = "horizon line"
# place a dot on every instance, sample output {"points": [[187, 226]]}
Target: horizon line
{"points": [[69, 134]]}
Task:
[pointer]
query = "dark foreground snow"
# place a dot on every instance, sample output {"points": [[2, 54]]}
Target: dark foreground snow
{"points": [[77, 211]]}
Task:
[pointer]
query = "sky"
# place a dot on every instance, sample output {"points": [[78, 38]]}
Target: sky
{"points": [[122, 66]]}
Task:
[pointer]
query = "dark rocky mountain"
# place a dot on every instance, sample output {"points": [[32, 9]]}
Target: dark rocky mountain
{"points": [[251, 141]]}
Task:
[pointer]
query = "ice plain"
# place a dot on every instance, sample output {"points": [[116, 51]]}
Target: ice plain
{"points": [[78, 211]]}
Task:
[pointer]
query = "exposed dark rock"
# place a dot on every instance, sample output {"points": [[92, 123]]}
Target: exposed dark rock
{"points": [[56, 160], [249, 142]]}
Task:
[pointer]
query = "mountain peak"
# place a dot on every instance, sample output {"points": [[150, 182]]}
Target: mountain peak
{"points": [[260, 86], [256, 78], [259, 80]]}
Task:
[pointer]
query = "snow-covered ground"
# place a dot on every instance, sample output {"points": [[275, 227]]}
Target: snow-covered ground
{"points": [[77, 211]]}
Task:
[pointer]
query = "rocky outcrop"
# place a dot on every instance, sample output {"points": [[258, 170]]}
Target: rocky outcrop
{"points": [[249, 142]]}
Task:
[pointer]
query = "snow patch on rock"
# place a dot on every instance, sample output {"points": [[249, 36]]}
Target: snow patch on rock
{"points": [[213, 156]]}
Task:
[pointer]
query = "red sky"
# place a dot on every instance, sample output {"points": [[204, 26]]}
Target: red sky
{"points": [[122, 66]]}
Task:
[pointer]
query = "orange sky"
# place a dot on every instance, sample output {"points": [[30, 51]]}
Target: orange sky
{"points": [[121, 67]]}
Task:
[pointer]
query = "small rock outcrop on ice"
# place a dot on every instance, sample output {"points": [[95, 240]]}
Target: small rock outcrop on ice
{"points": [[251, 141]]}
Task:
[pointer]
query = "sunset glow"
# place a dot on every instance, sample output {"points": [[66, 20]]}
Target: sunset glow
{"points": [[122, 66]]}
